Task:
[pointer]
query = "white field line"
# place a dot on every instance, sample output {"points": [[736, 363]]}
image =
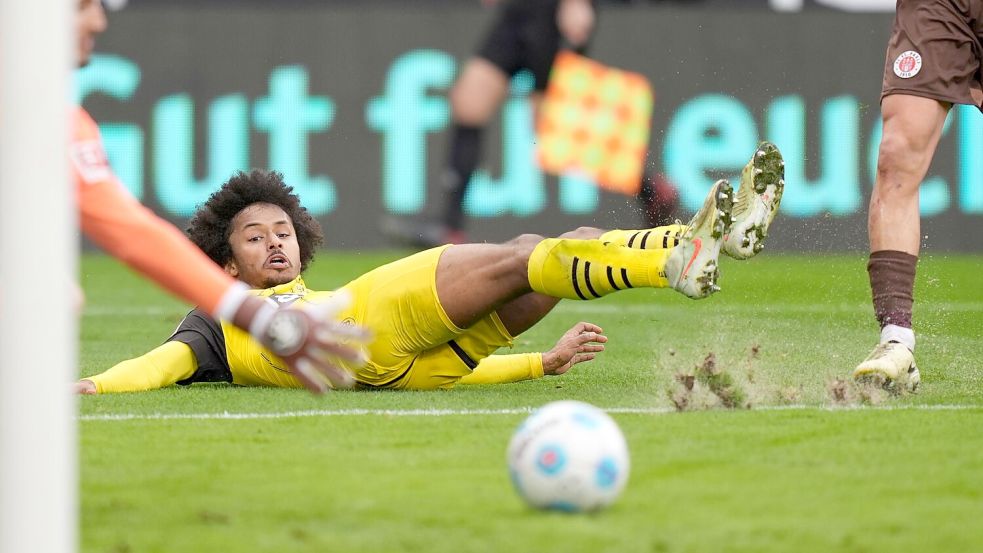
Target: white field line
{"points": [[110, 417], [592, 307]]}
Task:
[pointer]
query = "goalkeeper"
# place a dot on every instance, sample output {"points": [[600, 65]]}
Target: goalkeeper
{"points": [[439, 315]]}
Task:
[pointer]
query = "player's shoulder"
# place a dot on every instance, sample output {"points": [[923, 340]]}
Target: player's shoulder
{"points": [[317, 296], [312, 297]]}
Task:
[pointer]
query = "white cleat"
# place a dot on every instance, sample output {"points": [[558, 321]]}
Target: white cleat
{"points": [[891, 365], [756, 204], [692, 266]]}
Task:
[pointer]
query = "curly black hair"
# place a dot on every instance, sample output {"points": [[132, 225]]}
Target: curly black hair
{"points": [[211, 225]]}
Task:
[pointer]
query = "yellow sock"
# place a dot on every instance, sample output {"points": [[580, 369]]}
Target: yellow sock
{"points": [[649, 239], [588, 269]]}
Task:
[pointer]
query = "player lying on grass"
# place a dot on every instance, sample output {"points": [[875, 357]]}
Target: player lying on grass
{"points": [[437, 316], [114, 220]]}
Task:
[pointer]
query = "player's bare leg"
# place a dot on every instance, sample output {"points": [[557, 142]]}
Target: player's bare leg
{"points": [[912, 127], [475, 98], [479, 91], [475, 279], [522, 313]]}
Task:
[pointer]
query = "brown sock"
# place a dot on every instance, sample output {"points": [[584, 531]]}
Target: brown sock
{"points": [[892, 281]]}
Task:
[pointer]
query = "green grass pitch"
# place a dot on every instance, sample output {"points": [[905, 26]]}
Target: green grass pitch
{"points": [[805, 463]]}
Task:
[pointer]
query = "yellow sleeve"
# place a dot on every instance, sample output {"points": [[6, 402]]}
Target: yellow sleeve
{"points": [[160, 367], [251, 364], [499, 369]]}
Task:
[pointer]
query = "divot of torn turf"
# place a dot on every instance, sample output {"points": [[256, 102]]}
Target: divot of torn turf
{"points": [[720, 383], [709, 386], [869, 391]]}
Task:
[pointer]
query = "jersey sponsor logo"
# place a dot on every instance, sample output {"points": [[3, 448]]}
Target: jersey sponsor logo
{"points": [[908, 64], [285, 299], [90, 161]]}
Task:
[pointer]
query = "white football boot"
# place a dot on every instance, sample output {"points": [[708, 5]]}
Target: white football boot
{"points": [[756, 204], [891, 364], [692, 265]]}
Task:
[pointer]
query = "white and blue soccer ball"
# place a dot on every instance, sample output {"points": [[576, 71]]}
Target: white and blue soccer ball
{"points": [[568, 456]]}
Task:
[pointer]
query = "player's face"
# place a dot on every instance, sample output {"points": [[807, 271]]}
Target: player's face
{"points": [[90, 20], [265, 251]]}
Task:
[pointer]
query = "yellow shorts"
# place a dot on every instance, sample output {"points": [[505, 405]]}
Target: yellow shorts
{"points": [[416, 346]]}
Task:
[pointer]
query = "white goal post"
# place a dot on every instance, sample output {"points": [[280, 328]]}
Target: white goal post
{"points": [[38, 257]]}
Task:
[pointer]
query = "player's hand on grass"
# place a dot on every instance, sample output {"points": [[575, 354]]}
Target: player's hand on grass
{"points": [[314, 344], [85, 387], [581, 343]]}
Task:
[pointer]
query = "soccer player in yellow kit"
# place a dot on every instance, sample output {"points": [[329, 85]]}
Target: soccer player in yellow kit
{"points": [[113, 219], [437, 316]]}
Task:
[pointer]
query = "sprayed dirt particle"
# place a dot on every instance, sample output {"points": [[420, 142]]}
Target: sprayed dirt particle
{"points": [[680, 398], [755, 351], [730, 397], [838, 390], [672, 353], [720, 383], [790, 395], [709, 365], [871, 392], [687, 380], [868, 391]]}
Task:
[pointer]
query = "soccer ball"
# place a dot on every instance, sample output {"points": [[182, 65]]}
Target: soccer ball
{"points": [[568, 456]]}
